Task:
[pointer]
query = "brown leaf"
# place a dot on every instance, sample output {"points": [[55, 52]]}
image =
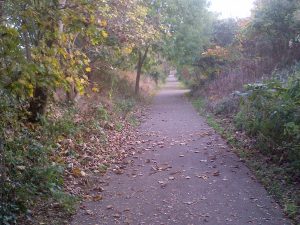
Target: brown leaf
{"points": [[109, 207], [216, 173]]}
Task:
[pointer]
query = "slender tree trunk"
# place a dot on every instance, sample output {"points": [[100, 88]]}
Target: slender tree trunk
{"points": [[62, 4], [138, 74], [27, 46], [72, 92], [38, 103], [141, 60], [1, 11]]}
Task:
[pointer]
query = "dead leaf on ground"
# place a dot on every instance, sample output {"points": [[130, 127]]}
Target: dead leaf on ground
{"points": [[89, 212], [97, 198], [216, 173], [204, 177], [77, 172], [109, 207]]}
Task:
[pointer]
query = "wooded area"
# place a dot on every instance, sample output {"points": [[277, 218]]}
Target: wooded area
{"points": [[75, 68]]}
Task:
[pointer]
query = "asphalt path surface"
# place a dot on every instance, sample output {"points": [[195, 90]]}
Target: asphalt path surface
{"points": [[186, 174]]}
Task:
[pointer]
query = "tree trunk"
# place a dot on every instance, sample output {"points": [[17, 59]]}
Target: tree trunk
{"points": [[140, 63], [72, 92], [138, 74], [38, 104], [1, 11], [62, 4]]}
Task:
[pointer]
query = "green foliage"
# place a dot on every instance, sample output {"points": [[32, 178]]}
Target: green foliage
{"points": [[224, 31], [271, 113], [227, 106], [66, 201], [102, 113], [28, 171], [124, 106], [273, 29], [190, 28], [291, 209]]}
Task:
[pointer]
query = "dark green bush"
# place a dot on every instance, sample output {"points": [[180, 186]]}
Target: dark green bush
{"points": [[226, 106], [27, 172], [271, 113]]}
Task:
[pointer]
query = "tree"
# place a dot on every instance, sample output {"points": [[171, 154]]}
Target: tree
{"points": [[48, 34], [273, 26], [189, 22], [224, 31], [136, 29]]}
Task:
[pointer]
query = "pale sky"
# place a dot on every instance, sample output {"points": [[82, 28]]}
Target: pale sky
{"points": [[232, 8]]}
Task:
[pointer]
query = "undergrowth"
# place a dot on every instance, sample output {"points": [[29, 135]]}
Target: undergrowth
{"points": [[27, 172], [33, 162]]}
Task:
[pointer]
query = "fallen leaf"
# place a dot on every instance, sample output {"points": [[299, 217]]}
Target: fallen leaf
{"points": [[89, 212], [109, 207], [204, 177], [188, 203], [117, 215], [76, 172], [97, 198], [216, 173], [21, 167]]}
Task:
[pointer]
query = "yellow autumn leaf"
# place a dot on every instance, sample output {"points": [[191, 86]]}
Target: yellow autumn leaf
{"points": [[82, 81], [97, 198], [95, 89], [103, 23], [88, 69], [127, 50], [81, 91], [60, 138], [86, 61], [70, 79], [30, 90], [104, 33], [77, 172]]}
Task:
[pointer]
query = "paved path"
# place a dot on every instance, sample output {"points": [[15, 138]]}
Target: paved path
{"points": [[186, 175]]}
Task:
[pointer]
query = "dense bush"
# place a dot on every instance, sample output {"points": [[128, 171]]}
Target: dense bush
{"points": [[271, 113], [27, 171]]}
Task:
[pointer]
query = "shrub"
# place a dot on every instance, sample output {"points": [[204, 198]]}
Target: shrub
{"points": [[227, 106], [271, 113], [27, 171], [125, 106]]}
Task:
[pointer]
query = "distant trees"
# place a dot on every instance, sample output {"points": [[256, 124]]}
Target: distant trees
{"points": [[189, 22], [274, 26], [224, 31]]}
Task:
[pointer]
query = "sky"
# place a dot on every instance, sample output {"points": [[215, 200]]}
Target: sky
{"points": [[232, 8]]}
